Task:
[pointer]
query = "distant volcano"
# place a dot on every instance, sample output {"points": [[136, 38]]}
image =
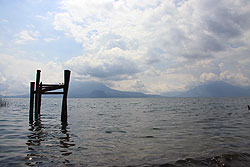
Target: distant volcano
{"points": [[99, 90], [213, 89]]}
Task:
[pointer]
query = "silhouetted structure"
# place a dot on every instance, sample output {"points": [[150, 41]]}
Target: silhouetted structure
{"points": [[46, 89]]}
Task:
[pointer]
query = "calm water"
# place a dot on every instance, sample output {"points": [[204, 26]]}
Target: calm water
{"points": [[124, 132]]}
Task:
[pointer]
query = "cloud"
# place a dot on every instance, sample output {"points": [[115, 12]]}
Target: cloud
{"points": [[184, 42], [16, 74], [42, 17], [50, 39], [110, 64], [204, 77], [25, 36]]}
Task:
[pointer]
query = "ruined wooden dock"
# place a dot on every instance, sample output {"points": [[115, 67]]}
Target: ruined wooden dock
{"points": [[38, 88]]}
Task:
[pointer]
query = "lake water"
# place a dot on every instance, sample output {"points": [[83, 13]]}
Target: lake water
{"points": [[128, 132]]}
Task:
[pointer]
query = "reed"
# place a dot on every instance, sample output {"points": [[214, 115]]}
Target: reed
{"points": [[3, 103]]}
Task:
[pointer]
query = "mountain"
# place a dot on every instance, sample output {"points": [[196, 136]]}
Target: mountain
{"points": [[92, 89], [16, 96], [213, 89]]}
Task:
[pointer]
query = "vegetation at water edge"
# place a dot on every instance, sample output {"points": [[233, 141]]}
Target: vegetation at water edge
{"points": [[3, 103]]}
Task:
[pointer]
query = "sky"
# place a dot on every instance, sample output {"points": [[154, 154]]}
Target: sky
{"points": [[150, 46]]}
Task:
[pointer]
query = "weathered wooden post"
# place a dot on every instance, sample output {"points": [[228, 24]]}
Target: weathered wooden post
{"points": [[65, 94], [37, 97], [32, 86]]}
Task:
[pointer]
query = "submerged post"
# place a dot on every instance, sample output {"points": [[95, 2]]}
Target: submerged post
{"points": [[32, 85], [37, 97], [65, 94]]}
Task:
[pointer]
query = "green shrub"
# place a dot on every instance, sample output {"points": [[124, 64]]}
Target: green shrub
{"points": [[3, 103]]}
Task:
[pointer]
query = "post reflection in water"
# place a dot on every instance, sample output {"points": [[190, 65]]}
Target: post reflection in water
{"points": [[128, 132], [36, 136], [65, 141], [48, 144]]}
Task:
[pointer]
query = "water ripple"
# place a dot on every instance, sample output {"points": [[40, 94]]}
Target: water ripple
{"points": [[128, 132]]}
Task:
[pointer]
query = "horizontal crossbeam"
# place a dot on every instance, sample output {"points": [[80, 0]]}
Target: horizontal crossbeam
{"points": [[45, 92], [52, 88], [52, 93], [49, 85]]}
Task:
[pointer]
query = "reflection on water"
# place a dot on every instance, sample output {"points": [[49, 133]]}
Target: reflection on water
{"points": [[128, 132], [47, 145]]}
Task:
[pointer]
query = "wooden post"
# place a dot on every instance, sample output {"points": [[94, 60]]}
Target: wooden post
{"points": [[32, 85], [39, 98], [65, 94], [37, 94]]}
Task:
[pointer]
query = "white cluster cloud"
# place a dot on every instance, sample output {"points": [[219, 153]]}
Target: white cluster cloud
{"points": [[149, 46], [159, 45], [16, 74], [50, 39], [25, 36]]}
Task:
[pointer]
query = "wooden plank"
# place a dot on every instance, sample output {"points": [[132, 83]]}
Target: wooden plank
{"points": [[52, 93], [49, 85], [47, 92], [32, 87], [52, 88]]}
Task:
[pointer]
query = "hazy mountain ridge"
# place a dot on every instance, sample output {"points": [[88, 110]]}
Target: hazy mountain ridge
{"points": [[99, 90], [212, 89], [93, 89]]}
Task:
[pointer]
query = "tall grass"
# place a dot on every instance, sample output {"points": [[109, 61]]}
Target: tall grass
{"points": [[3, 103]]}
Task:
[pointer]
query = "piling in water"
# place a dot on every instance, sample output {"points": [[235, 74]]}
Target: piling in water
{"points": [[41, 88], [32, 87]]}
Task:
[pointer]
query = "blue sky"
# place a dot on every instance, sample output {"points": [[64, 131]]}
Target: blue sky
{"points": [[34, 19], [148, 46]]}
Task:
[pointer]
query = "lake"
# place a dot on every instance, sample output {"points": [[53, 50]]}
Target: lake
{"points": [[128, 132]]}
